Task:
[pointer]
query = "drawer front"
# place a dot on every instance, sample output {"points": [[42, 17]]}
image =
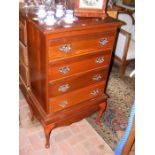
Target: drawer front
{"points": [[23, 56], [22, 32], [75, 97], [71, 46], [86, 79], [23, 72], [66, 68]]}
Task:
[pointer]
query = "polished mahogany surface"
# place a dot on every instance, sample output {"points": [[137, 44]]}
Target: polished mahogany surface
{"points": [[64, 70]]}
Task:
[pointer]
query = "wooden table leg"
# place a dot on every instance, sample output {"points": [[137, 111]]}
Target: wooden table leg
{"points": [[102, 108], [47, 130]]}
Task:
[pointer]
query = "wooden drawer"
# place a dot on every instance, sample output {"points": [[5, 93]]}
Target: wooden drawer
{"points": [[23, 72], [75, 97], [86, 79], [69, 67], [22, 31], [23, 55], [77, 45]]}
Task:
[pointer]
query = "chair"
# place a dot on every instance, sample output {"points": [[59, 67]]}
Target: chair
{"points": [[125, 46], [127, 141]]}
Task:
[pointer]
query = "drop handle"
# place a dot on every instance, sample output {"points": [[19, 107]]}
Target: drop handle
{"points": [[63, 103], [100, 60], [103, 41], [97, 77], [65, 48], [64, 69], [63, 88], [94, 92]]}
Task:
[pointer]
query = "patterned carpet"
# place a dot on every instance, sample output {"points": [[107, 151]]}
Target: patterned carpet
{"points": [[121, 91]]}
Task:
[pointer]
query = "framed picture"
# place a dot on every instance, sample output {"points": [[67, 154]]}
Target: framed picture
{"points": [[90, 8]]}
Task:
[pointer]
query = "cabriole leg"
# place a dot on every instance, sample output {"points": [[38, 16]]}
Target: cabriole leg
{"points": [[102, 108], [47, 130]]}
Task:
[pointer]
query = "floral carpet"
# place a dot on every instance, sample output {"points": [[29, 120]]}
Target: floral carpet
{"points": [[121, 92]]}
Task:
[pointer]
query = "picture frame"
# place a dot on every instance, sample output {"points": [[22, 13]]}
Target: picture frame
{"points": [[90, 8]]}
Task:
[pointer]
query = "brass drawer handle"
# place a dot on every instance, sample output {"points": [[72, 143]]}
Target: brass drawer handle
{"points": [[65, 48], [94, 92], [63, 88], [103, 41], [100, 60], [64, 69], [97, 77], [63, 103]]}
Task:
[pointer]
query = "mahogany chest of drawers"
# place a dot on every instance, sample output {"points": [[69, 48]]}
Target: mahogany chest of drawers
{"points": [[67, 68]]}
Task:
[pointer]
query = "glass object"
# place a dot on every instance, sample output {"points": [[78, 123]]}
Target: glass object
{"points": [[41, 12], [50, 4], [69, 14], [50, 19], [69, 18], [60, 11]]}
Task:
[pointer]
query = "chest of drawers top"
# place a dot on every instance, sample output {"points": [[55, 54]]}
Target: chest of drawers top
{"points": [[81, 24]]}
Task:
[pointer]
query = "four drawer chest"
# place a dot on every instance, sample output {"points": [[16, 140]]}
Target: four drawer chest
{"points": [[64, 69]]}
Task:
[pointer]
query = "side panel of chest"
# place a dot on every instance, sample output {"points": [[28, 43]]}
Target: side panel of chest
{"points": [[37, 63]]}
